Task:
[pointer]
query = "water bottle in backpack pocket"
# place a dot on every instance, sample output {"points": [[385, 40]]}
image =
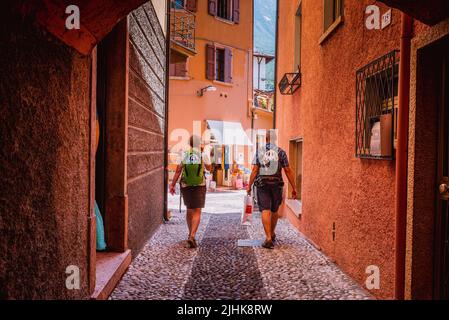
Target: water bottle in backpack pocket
{"points": [[193, 173]]}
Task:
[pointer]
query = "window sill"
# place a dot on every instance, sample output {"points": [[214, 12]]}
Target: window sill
{"points": [[295, 206], [226, 84], [180, 78], [230, 22], [331, 30], [262, 110]]}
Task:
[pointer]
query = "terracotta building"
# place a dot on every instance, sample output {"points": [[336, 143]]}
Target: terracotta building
{"points": [[211, 76], [359, 105], [55, 83]]}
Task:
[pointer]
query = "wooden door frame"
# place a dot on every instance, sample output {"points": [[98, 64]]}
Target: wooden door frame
{"points": [[116, 196], [438, 234]]}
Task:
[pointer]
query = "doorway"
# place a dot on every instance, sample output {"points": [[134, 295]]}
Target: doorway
{"points": [[441, 285], [110, 174]]}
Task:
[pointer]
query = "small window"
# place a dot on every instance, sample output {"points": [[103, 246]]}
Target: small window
{"points": [[219, 63], [298, 23], [178, 4], [333, 10], [376, 107], [225, 9], [190, 5]]}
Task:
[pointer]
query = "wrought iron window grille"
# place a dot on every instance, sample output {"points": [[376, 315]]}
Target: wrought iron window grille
{"points": [[376, 108], [290, 83]]}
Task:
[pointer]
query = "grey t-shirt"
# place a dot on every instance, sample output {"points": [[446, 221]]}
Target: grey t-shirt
{"points": [[271, 160]]}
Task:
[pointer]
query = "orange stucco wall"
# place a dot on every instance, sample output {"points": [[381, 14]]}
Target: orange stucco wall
{"points": [[231, 102], [357, 195]]}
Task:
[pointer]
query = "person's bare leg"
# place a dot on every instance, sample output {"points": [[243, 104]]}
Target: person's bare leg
{"points": [[266, 221], [189, 217], [195, 222], [274, 222]]}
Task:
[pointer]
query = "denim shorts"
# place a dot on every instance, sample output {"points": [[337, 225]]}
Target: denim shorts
{"points": [[270, 197]]}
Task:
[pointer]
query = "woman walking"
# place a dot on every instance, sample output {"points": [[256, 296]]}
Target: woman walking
{"points": [[193, 185]]}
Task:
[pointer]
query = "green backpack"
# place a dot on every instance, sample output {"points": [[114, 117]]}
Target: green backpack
{"points": [[193, 173]]}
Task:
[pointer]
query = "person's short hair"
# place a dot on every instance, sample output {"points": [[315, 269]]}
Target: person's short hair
{"points": [[272, 135], [195, 141]]}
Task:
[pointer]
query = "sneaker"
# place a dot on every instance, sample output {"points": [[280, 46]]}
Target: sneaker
{"points": [[268, 244], [273, 238]]}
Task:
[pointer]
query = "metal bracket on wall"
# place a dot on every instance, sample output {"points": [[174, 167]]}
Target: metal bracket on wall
{"points": [[290, 83]]}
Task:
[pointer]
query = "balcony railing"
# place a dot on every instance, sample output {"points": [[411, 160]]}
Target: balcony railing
{"points": [[290, 82], [182, 26]]}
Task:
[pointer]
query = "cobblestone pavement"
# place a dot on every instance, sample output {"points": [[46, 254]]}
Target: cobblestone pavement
{"points": [[220, 270]]}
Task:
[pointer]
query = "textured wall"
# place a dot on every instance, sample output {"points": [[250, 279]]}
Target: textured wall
{"points": [[146, 125], [44, 129], [357, 195]]}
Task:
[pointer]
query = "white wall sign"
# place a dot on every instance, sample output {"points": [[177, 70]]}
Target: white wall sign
{"points": [[374, 21], [386, 19]]}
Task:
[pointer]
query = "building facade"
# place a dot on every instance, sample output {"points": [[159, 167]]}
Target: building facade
{"points": [[211, 88], [56, 84], [343, 93]]}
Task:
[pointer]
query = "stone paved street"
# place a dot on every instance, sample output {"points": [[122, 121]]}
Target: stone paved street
{"points": [[219, 269]]}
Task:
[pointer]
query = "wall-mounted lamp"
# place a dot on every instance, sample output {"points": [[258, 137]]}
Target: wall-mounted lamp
{"points": [[201, 92]]}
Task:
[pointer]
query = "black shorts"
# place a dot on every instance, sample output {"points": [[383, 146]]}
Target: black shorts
{"points": [[270, 197], [194, 197]]}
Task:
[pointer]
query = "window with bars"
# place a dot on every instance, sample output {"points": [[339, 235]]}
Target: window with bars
{"points": [[376, 107]]}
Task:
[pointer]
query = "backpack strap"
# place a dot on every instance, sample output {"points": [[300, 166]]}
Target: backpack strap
{"points": [[201, 165], [186, 155]]}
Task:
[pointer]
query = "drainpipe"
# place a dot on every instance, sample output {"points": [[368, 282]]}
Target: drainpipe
{"points": [[276, 51], [402, 155], [167, 83]]}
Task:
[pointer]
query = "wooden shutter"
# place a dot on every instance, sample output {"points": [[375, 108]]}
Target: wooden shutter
{"points": [[192, 5], [178, 69], [236, 11], [329, 16], [228, 65], [181, 69], [212, 5], [210, 61]]}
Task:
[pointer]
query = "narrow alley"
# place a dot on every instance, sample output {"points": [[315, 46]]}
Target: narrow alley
{"points": [[331, 114], [220, 270]]}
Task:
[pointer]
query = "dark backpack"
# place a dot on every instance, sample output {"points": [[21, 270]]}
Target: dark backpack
{"points": [[275, 179]]}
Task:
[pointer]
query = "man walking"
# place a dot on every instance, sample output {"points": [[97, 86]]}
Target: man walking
{"points": [[267, 177]]}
